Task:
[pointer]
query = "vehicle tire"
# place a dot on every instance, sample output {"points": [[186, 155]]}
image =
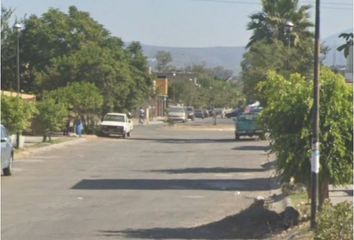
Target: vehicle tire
{"points": [[128, 134], [8, 171], [123, 136]]}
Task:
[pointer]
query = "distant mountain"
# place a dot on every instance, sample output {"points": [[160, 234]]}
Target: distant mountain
{"points": [[230, 57], [227, 57], [334, 57]]}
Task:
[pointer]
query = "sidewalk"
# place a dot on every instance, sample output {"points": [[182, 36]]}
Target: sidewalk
{"points": [[341, 193], [34, 144]]}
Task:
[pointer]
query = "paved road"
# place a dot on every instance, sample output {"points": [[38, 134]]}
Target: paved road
{"points": [[161, 181]]}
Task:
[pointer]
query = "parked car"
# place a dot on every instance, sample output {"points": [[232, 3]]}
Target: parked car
{"points": [[247, 125], [199, 113], [234, 113], [7, 152], [177, 114], [190, 113], [116, 124]]}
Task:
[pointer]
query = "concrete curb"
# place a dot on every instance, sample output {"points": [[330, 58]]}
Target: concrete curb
{"points": [[27, 151]]}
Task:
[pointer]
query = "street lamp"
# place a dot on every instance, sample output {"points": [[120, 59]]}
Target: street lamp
{"points": [[17, 27], [289, 25]]}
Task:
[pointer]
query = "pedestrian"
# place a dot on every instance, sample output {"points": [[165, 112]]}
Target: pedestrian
{"points": [[141, 115], [79, 127]]}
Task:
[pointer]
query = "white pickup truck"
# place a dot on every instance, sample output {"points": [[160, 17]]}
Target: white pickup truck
{"points": [[116, 124]]}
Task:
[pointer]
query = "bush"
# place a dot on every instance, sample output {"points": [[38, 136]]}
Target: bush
{"points": [[335, 222], [16, 114]]}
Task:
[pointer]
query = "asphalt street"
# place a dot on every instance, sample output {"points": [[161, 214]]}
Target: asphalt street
{"points": [[158, 183]]}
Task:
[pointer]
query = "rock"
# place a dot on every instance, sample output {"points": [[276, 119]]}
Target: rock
{"points": [[290, 217]]}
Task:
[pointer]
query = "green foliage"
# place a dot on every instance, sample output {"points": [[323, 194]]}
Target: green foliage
{"points": [[207, 87], [262, 57], [269, 24], [81, 98], [288, 117], [348, 37], [58, 49], [335, 222], [8, 51], [51, 116], [16, 114], [163, 59]]}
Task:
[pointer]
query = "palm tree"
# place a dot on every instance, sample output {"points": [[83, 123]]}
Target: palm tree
{"points": [[348, 43], [269, 24]]}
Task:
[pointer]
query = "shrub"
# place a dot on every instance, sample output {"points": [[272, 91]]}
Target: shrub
{"points": [[16, 114], [335, 222]]}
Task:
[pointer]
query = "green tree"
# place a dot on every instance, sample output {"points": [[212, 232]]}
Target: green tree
{"points": [[208, 88], [142, 88], [51, 117], [8, 51], [288, 118], [269, 24], [16, 114], [62, 48], [81, 98], [348, 37], [53, 35], [262, 57], [163, 58]]}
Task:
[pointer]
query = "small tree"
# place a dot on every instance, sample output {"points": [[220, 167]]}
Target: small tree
{"points": [[16, 114], [288, 117], [84, 99], [51, 117], [163, 59]]}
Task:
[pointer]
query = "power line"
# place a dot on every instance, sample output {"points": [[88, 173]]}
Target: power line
{"points": [[325, 5]]}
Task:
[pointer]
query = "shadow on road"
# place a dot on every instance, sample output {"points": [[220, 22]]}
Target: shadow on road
{"points": [[184, 140], [252, 148], [255, 222], [265, 167], [256, 184], [208, 170]]}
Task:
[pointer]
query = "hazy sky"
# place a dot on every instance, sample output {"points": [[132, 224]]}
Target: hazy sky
{"points": [[183, 23]]}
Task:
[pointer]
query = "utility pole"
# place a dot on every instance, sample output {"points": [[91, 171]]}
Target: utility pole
{"points": [[315, 158], [17, 28]]}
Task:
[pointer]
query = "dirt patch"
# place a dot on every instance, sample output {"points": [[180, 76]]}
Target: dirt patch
{"points": [[255, 222]]}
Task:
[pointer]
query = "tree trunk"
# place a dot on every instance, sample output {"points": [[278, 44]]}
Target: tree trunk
{"points": [[323, 191], [44, 138]]}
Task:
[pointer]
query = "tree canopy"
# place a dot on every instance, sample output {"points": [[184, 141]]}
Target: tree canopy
{"points": [[288, 117], [262, 57], [58, 49], [270, 23], [348, 37]]}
